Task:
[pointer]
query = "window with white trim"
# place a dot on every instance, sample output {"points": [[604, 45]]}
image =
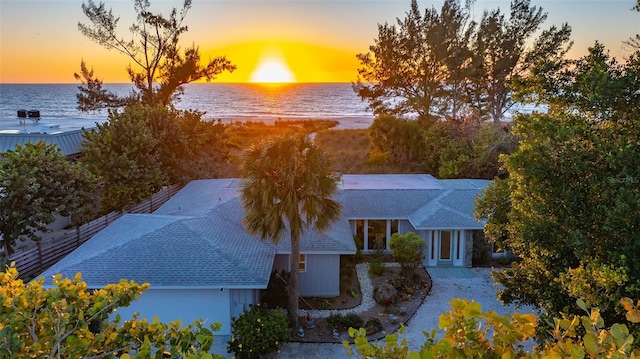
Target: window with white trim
{"points": [[303, 263]]}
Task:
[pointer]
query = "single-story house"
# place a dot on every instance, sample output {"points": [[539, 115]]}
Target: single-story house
{"points": [[202, 263]]}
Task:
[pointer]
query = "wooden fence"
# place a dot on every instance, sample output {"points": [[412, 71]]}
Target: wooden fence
{"points": [[35, 259]]}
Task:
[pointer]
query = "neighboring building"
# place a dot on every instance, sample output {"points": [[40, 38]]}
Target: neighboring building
{"points": [[202, 263], [66, 133]]}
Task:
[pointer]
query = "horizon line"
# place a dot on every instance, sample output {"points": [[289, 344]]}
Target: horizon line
{"points": [[192, 83]]}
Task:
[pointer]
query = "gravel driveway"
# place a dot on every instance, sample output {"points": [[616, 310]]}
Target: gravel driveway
{"points": [[448, 283]]}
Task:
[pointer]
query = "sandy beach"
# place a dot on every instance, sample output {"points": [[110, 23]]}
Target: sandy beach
{"points": [[344, 123]]}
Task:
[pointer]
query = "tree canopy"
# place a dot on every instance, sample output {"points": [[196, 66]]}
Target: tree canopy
{"points": [[37, 183], [288, 184], [141, 149], [571, 204], [159, 65], [70, 320], [443, 65]]}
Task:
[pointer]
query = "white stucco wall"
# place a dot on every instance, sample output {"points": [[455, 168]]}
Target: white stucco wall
{"points": [[187, 305]]}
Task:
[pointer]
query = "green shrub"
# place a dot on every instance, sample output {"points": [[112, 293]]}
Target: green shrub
{"points": [[258, 332], [352, 320], [344, 322], [377, 267], [408, 250]]}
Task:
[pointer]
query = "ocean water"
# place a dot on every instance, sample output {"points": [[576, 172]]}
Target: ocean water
{"points": [[229, 102]]}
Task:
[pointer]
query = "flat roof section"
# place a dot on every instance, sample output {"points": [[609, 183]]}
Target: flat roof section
{"points": [[390, 181], [64, 132], [13, 126]]}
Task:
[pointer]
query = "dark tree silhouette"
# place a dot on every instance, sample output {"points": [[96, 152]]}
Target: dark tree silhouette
{"points": [[159, 66]]}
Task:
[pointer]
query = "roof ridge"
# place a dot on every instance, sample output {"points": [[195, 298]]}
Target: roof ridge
{"points": [[222, 250], [110, 245]]}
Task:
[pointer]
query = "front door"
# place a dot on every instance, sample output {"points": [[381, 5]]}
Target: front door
{"points": [[445, 248]]}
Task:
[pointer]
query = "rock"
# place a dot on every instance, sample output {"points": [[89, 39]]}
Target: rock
{"points": [[397, 282], [373, 326], [385, 294]]}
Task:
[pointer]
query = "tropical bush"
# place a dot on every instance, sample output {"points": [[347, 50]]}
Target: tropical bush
{"points": [[70, 321], [345, 321], [408, 249], [258, 332], [471, 333]]}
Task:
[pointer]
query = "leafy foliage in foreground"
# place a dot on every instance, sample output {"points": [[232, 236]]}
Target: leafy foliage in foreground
{"points": [[469, 332], [71, 321]]}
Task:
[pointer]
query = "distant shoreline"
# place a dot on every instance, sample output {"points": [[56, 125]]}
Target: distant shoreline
{"points": [[344, 123]]}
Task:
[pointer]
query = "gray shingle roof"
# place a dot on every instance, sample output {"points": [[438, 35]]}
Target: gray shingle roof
{"points": [[221, 198], [197, 238], [385, 203], [169, 252]]}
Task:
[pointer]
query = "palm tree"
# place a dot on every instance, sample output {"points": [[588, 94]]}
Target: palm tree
{"points": [[288, 184]]}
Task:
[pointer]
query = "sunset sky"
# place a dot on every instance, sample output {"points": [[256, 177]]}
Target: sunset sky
{"points": [[304, 41]]}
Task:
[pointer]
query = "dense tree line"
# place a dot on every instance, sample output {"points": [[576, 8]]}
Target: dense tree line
{"points": [[444, 65], [447, 149], [571, 203], [452, 75], [141, 149]]}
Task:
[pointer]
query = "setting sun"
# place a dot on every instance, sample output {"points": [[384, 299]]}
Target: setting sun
{"points": [[272, 71]]}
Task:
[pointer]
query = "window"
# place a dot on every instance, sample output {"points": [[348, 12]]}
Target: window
{"points": [[377, 235], [457, 234], [360, 234], [394, 226], [433, 244], [303, 263]]}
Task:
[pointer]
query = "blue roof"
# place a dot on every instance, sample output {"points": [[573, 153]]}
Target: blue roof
{"points": [[197, 239], [426, 202], [170, 251]]}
